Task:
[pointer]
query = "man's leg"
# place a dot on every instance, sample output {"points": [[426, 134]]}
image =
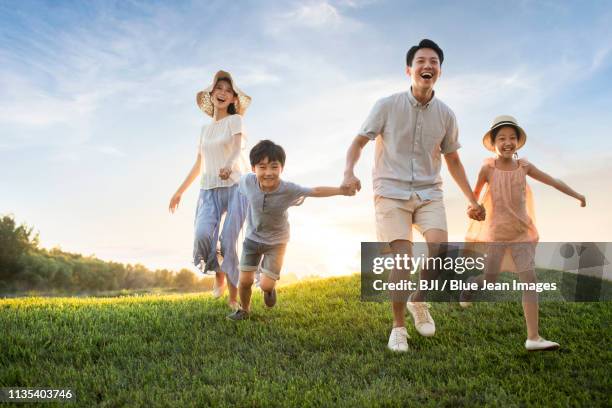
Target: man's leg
{"points": [[433, 237], [399, 298]]}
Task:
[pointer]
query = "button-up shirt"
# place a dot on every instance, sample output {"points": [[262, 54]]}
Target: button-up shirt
{"points": [[410, 140]]}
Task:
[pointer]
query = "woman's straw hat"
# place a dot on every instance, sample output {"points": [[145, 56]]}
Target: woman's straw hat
{"points": [[203, 97], [500, 121]]}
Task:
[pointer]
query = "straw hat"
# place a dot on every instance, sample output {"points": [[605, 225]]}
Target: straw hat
{"points": [[500, 121], [203, 97]]}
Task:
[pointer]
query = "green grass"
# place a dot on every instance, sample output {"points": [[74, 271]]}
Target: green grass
{"points": [[319, 346]]}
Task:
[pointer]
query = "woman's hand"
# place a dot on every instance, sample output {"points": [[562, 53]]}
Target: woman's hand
{"points": [[224, 173], [174, 202]]}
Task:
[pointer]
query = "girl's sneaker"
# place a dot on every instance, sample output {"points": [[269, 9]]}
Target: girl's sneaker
{"points": [[218, 290], [540, 344], [465, 297]]}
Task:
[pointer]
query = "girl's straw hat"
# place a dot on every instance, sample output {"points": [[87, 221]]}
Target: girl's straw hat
{"points": [[504, 120], [203, 97]]}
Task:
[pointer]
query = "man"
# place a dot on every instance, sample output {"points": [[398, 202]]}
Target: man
{"points": [[412, 130]]}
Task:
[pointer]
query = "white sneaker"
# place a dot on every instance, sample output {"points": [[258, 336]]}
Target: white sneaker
{"points": [[423, 322], [540, 344], [398, 340]]}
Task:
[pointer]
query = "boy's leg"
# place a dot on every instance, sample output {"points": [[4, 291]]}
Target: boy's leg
{"points": [[245, 285], [270, 271]]}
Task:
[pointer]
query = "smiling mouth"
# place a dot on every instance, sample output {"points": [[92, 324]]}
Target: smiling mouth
{"points": [[426, 75]]}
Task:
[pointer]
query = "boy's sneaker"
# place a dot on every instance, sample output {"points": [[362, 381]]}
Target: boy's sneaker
{"points": [[423, 322], [540, 344], [239, 314], [270, 298], [398, 340]]}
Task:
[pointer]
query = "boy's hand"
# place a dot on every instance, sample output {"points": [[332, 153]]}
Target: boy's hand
{"points": [[347, 190], [224, 173], [582, 200], [174, 202]]}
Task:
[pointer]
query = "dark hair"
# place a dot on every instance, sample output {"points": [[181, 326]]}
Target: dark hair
{"points": [[495, 131], [231, 108], [424, 44], [269, 149]]}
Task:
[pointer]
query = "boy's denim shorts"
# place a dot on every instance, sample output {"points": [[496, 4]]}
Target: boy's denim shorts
{"points": [[272, 263]]}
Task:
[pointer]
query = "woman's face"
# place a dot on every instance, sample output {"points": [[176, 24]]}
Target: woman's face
{"points": [[222, 95]]}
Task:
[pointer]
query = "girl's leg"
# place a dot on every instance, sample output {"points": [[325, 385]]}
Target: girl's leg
{"points": [[530, 305]]}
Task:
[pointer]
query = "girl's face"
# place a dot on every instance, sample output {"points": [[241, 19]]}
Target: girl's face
{"points": [[222, 95], [506, 142]]}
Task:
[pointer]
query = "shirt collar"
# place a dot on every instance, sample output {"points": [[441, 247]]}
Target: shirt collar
{"points": [[418, 104]]}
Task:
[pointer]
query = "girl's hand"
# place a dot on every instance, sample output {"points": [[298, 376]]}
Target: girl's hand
{"points": [[582, 200], [347, 190], [477, 212], [224, 173], [174, 202]]}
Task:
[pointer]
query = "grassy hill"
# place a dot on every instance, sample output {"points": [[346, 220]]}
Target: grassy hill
{"points": [[320, 346]]}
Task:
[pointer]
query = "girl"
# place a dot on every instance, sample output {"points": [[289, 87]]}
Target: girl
{"points": [[219, 148], [509, 222]]}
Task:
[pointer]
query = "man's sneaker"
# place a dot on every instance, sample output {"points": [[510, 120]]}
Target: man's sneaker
{"points": [[423, 322], [540, 344], [270, 298], [239, 314], [398, 340]]}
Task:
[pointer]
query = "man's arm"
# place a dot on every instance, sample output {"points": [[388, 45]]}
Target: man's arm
{"points": [[352, 156], [455, 168]]}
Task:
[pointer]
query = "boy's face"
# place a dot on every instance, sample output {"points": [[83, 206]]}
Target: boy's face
{"points": [[268, 173], [425, 69]]}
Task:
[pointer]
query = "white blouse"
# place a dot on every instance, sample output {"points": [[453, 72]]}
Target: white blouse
{"points": [[221, 145]]}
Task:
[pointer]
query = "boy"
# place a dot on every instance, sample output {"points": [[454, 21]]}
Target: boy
{"points": [[267, 234]]}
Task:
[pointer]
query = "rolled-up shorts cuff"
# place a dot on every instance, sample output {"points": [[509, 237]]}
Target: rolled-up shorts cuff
{"points": [[248, 268], [270, 274]]}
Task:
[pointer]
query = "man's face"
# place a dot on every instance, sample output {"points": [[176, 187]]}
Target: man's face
{"points": [[425, 69], [268, 174]]}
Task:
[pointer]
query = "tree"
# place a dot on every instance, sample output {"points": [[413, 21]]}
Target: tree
{"points": [[15, 241]]}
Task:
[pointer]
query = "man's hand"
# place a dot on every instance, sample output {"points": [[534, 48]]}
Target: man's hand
{"points": [[347, 190], [352, 183], [476, 212]]}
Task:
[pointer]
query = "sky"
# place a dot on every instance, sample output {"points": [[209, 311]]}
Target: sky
{"points": [[99, 126]]}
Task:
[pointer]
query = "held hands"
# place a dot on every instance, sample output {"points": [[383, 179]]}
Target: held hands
{"points": [[476, 212], [174, 202], [347, 191], [224, 173], [351, 183]]}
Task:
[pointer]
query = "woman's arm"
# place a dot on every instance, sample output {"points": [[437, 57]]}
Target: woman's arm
{"points": [[545, 178], [226, 170], [191, 176]]}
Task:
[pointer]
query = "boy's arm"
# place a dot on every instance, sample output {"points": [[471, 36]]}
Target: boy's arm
{"points": [[331, 191], [545, 178]]}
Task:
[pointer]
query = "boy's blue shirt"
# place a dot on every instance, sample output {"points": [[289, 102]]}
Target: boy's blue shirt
{"points": [[267, 218]]}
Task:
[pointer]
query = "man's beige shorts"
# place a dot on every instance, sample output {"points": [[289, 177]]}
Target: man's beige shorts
{"points": [[395, 217]]}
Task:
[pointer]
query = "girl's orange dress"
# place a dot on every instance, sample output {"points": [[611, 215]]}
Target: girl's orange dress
{"points": [[509, 221]]}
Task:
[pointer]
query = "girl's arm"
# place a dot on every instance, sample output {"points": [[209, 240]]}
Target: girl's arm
{"points": [[193, 174], [226, 170], [545, 178], [331, 191]]}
